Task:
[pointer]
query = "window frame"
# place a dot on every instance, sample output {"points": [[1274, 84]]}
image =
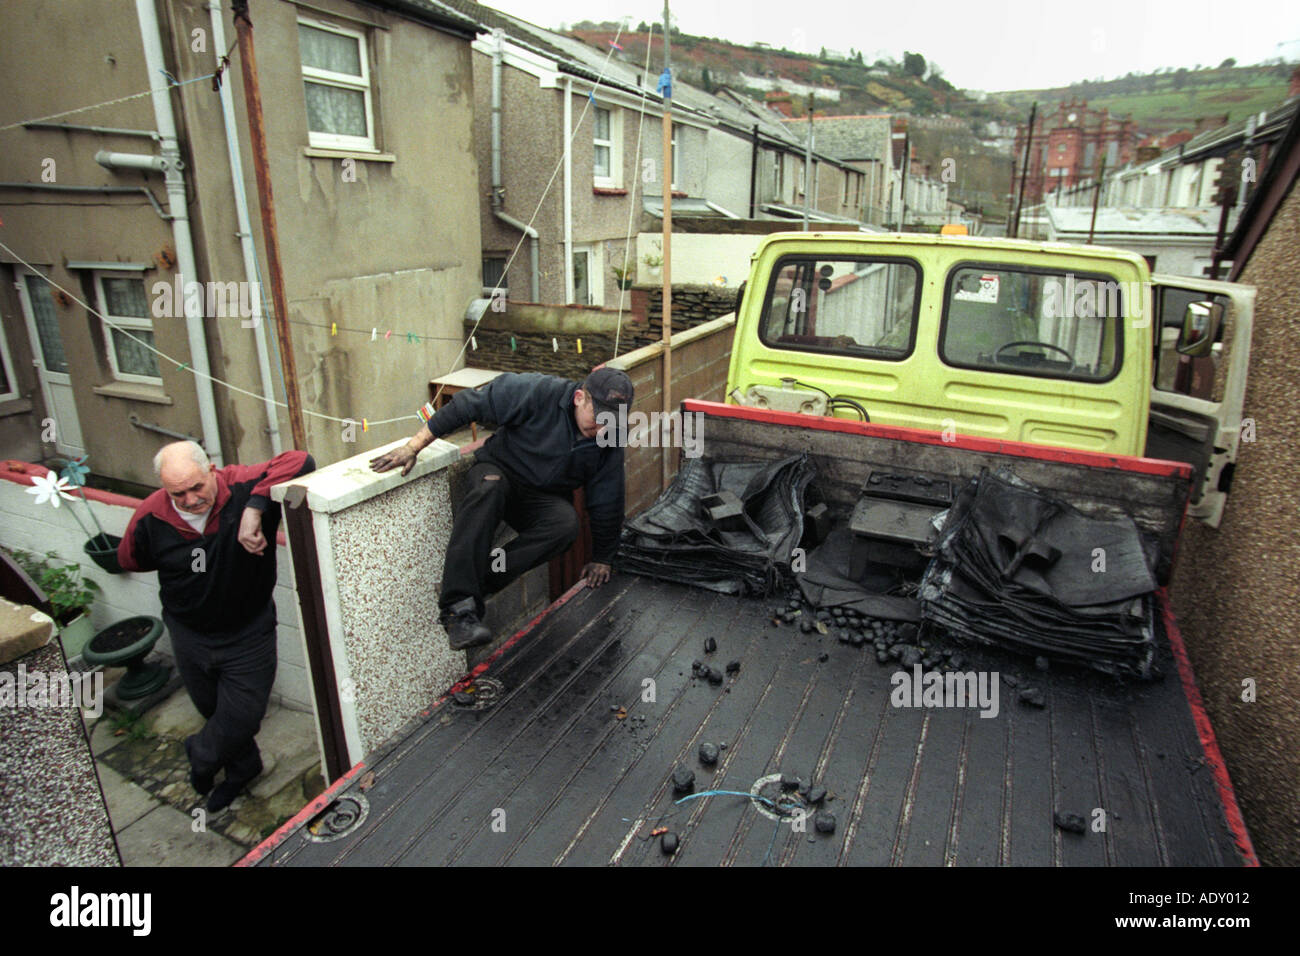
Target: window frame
{"points": [[364, 85], [131, 323], [614, 144], [872, 355], [1120, 320]]}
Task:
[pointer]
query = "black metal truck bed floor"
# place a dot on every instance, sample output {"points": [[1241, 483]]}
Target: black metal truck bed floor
{"points": [[553, 773]]}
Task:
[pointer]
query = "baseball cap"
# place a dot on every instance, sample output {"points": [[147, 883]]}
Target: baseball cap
{"points": [[609, 388]]}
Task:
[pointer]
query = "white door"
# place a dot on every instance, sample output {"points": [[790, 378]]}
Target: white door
{"points": [[1196, 405], [51, 362]]}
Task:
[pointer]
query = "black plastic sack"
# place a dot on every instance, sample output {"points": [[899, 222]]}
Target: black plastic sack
{"points": [[676, 540]]}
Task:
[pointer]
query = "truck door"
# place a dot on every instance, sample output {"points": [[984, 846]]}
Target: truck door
{"points": [[1196, 400]]}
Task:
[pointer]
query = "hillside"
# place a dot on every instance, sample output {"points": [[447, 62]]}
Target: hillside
{"points": [[859, 87], [1160, 102], [1167, 100]]}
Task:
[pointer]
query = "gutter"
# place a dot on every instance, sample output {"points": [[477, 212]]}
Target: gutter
{"points": [[245, 233], [170, 165], [110, 190]]}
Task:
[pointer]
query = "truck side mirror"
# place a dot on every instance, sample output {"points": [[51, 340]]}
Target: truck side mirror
{"points": [[740, 296], [1201, 322]]}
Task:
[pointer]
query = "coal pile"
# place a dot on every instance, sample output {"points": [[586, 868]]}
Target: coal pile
{"points": [[1018, 569], [691, 536]]}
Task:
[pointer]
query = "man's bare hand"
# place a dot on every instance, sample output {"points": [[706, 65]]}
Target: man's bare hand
{"points": [[401, 455], [250, 531], [596, 574]]}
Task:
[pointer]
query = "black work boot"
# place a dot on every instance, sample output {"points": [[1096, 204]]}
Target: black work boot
{"points": [[464, 629], [225, 792], [201, 782]]}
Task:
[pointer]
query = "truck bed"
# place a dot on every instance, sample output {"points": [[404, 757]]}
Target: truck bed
{"points": [[580, 781]]}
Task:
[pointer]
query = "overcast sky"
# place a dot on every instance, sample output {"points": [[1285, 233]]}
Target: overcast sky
{"points": [[978, 44]]}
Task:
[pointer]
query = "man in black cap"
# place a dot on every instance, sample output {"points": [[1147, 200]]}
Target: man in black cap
{"points": [[545, 445]]}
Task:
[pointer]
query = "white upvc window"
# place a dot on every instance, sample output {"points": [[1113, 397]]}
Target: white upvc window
{"points": [[122, 302], [607, 151], [336, 86]]}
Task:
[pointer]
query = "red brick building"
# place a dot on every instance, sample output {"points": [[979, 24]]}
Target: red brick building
{"points": [[1068, 146]]}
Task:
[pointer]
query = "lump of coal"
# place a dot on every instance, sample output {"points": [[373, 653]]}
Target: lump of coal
{"points": [[733, 667], [823, 657], [708, 754], [668, 843], [467, 700], [1033, 697], [1042, 663], [816, 795], [909, 655], [710, 646], [790, 783], [683, 780], [824, 821], [715, 676], [1070, 822]]}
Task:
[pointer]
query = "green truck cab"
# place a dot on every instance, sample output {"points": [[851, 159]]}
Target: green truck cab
{"points": [[1043, 343]]}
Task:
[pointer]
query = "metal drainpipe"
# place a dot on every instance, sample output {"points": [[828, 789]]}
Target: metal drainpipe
{"points": [[497, 190], [245, 232], [568, 190], [174, 179]]}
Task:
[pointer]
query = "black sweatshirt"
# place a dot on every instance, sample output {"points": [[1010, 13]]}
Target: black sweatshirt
{"points": [[537, 439], [228, 587]]}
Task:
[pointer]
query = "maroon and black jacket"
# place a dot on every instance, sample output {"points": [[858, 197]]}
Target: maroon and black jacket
{"points": [[232, 585]]}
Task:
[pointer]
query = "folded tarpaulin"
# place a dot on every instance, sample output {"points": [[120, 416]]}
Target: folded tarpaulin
{"points": [[826, 583], [1017, 568], [674, 538]]}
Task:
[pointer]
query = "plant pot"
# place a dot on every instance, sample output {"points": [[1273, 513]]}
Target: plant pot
{"points": [[75, 635], [102, 549], [126, 644], [625, 284]]}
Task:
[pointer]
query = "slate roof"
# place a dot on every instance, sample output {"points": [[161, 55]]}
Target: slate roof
{"points": [[847, 137], [1137, 221]]}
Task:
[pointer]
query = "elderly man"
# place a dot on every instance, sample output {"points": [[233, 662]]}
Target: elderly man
{"points": [[210, 535], [545, 446]]}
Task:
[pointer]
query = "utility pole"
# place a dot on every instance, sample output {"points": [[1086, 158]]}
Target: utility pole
{"points": [[270, 237], [1024, 169], [666, 83], [1096, 197], [807, 164], [907, 168]]}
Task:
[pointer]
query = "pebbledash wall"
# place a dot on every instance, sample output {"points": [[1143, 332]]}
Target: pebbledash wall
{"points": [[42, 528]]}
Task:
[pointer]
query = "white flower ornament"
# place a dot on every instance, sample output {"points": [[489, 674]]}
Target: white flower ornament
{"points": [[48, 488]]}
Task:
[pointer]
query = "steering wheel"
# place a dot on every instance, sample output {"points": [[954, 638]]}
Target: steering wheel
{"points": [[997, 356]]}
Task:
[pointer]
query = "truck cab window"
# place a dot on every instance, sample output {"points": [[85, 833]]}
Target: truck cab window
{"points": [[1046, 324], [850, 306]]}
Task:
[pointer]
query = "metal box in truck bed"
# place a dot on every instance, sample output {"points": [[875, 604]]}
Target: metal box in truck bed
{"points": [[568, 751]]}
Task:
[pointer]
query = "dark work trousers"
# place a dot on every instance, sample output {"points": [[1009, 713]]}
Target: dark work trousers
{"points": [[546, 524], [229, 677]]}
